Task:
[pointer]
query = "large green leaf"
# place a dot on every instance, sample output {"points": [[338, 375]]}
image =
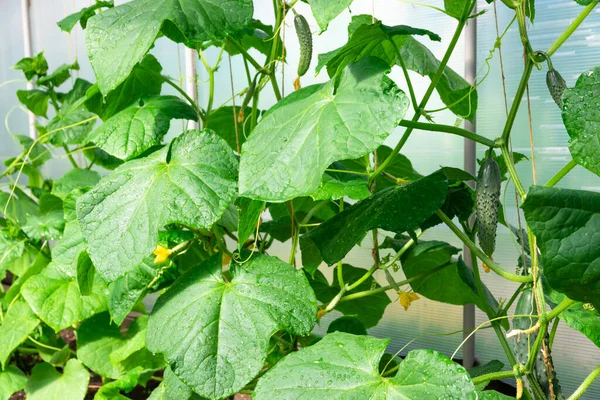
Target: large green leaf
{"points": [[566, 224], [18, 323], [46, 383], [394, 209], [215, 333], [10, 250], [55, 298], [12, 379], [453, 283], [118, 38], [190, 182], [107, 352], [583, 319], [301, 136], [344, 366], [223, 121], [17, 206], [325, 11], [337, 185], [368, 310], [381, 41], [74, 179], [144, 80], [582, 121], [141, 126]]}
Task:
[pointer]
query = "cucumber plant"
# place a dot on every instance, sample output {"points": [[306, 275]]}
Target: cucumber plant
{"points": [[195, 219]]}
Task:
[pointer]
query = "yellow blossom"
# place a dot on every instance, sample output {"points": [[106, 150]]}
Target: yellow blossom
{"points": [[406, 298], [485, 268], [161, 253]]}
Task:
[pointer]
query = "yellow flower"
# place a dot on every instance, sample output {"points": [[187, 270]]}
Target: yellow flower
{"points": [[161, 253], [485, 268], [406, 298]]}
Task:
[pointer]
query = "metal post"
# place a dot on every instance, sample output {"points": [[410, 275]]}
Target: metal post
{"points": [[191, 87], [469, 166], [27, 52]]}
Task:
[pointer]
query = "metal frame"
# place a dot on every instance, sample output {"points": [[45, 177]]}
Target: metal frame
{"points": [[28, 52]]}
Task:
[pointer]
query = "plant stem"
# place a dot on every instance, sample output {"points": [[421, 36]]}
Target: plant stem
{"points": [[175, 86], [363, 278], [434, 81], [411, 91], [346, 171], [69, 156], [571, 28], [449, 129], [561, 174], [512, 171], [517, 101], [565, 304], [585, 384], [536, 345], [340, 274], [480, 254], [246, 55], [494, 376]]}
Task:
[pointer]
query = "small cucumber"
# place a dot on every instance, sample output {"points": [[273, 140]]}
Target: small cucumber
{"points": [[306, 45], [556, 85], [488, 199], [522, 344]]}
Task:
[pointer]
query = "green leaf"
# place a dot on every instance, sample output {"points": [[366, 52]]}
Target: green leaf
{"points": [[581, 120], [10, 250], [17, 206], [126, 383], [104, 350], [101, 158], [39, 153], [317, 125], [118, 38], [249, 212], [190, 182], [48, 226], [566, 224], [453, 284], [400, 167], [368, 310], [346, 366], [70, 202], [59, 76], [18, 323], [455, 8], [50, 203], [325, 11], [492, 395], [144, 80], [337, 185], [347, 324], [12, 379], [220, 340], [222, 122], [172, 388], [68, 23], [68, 125], [85, 273], [55, 298], [419, 199], [381, 41], [254, 35], [74, 179], [46, 383], [583, 319], [35, 100], [125, 292], [32, 66], [139, 127], [35, 262]]}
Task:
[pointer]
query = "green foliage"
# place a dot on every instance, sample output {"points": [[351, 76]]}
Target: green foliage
{"points": [[196, 221], [344, 364]]}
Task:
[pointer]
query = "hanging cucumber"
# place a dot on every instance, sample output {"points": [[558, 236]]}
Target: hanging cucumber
{"points": [[488, 199], [522, 344], [556, 85], [306, 46]]}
